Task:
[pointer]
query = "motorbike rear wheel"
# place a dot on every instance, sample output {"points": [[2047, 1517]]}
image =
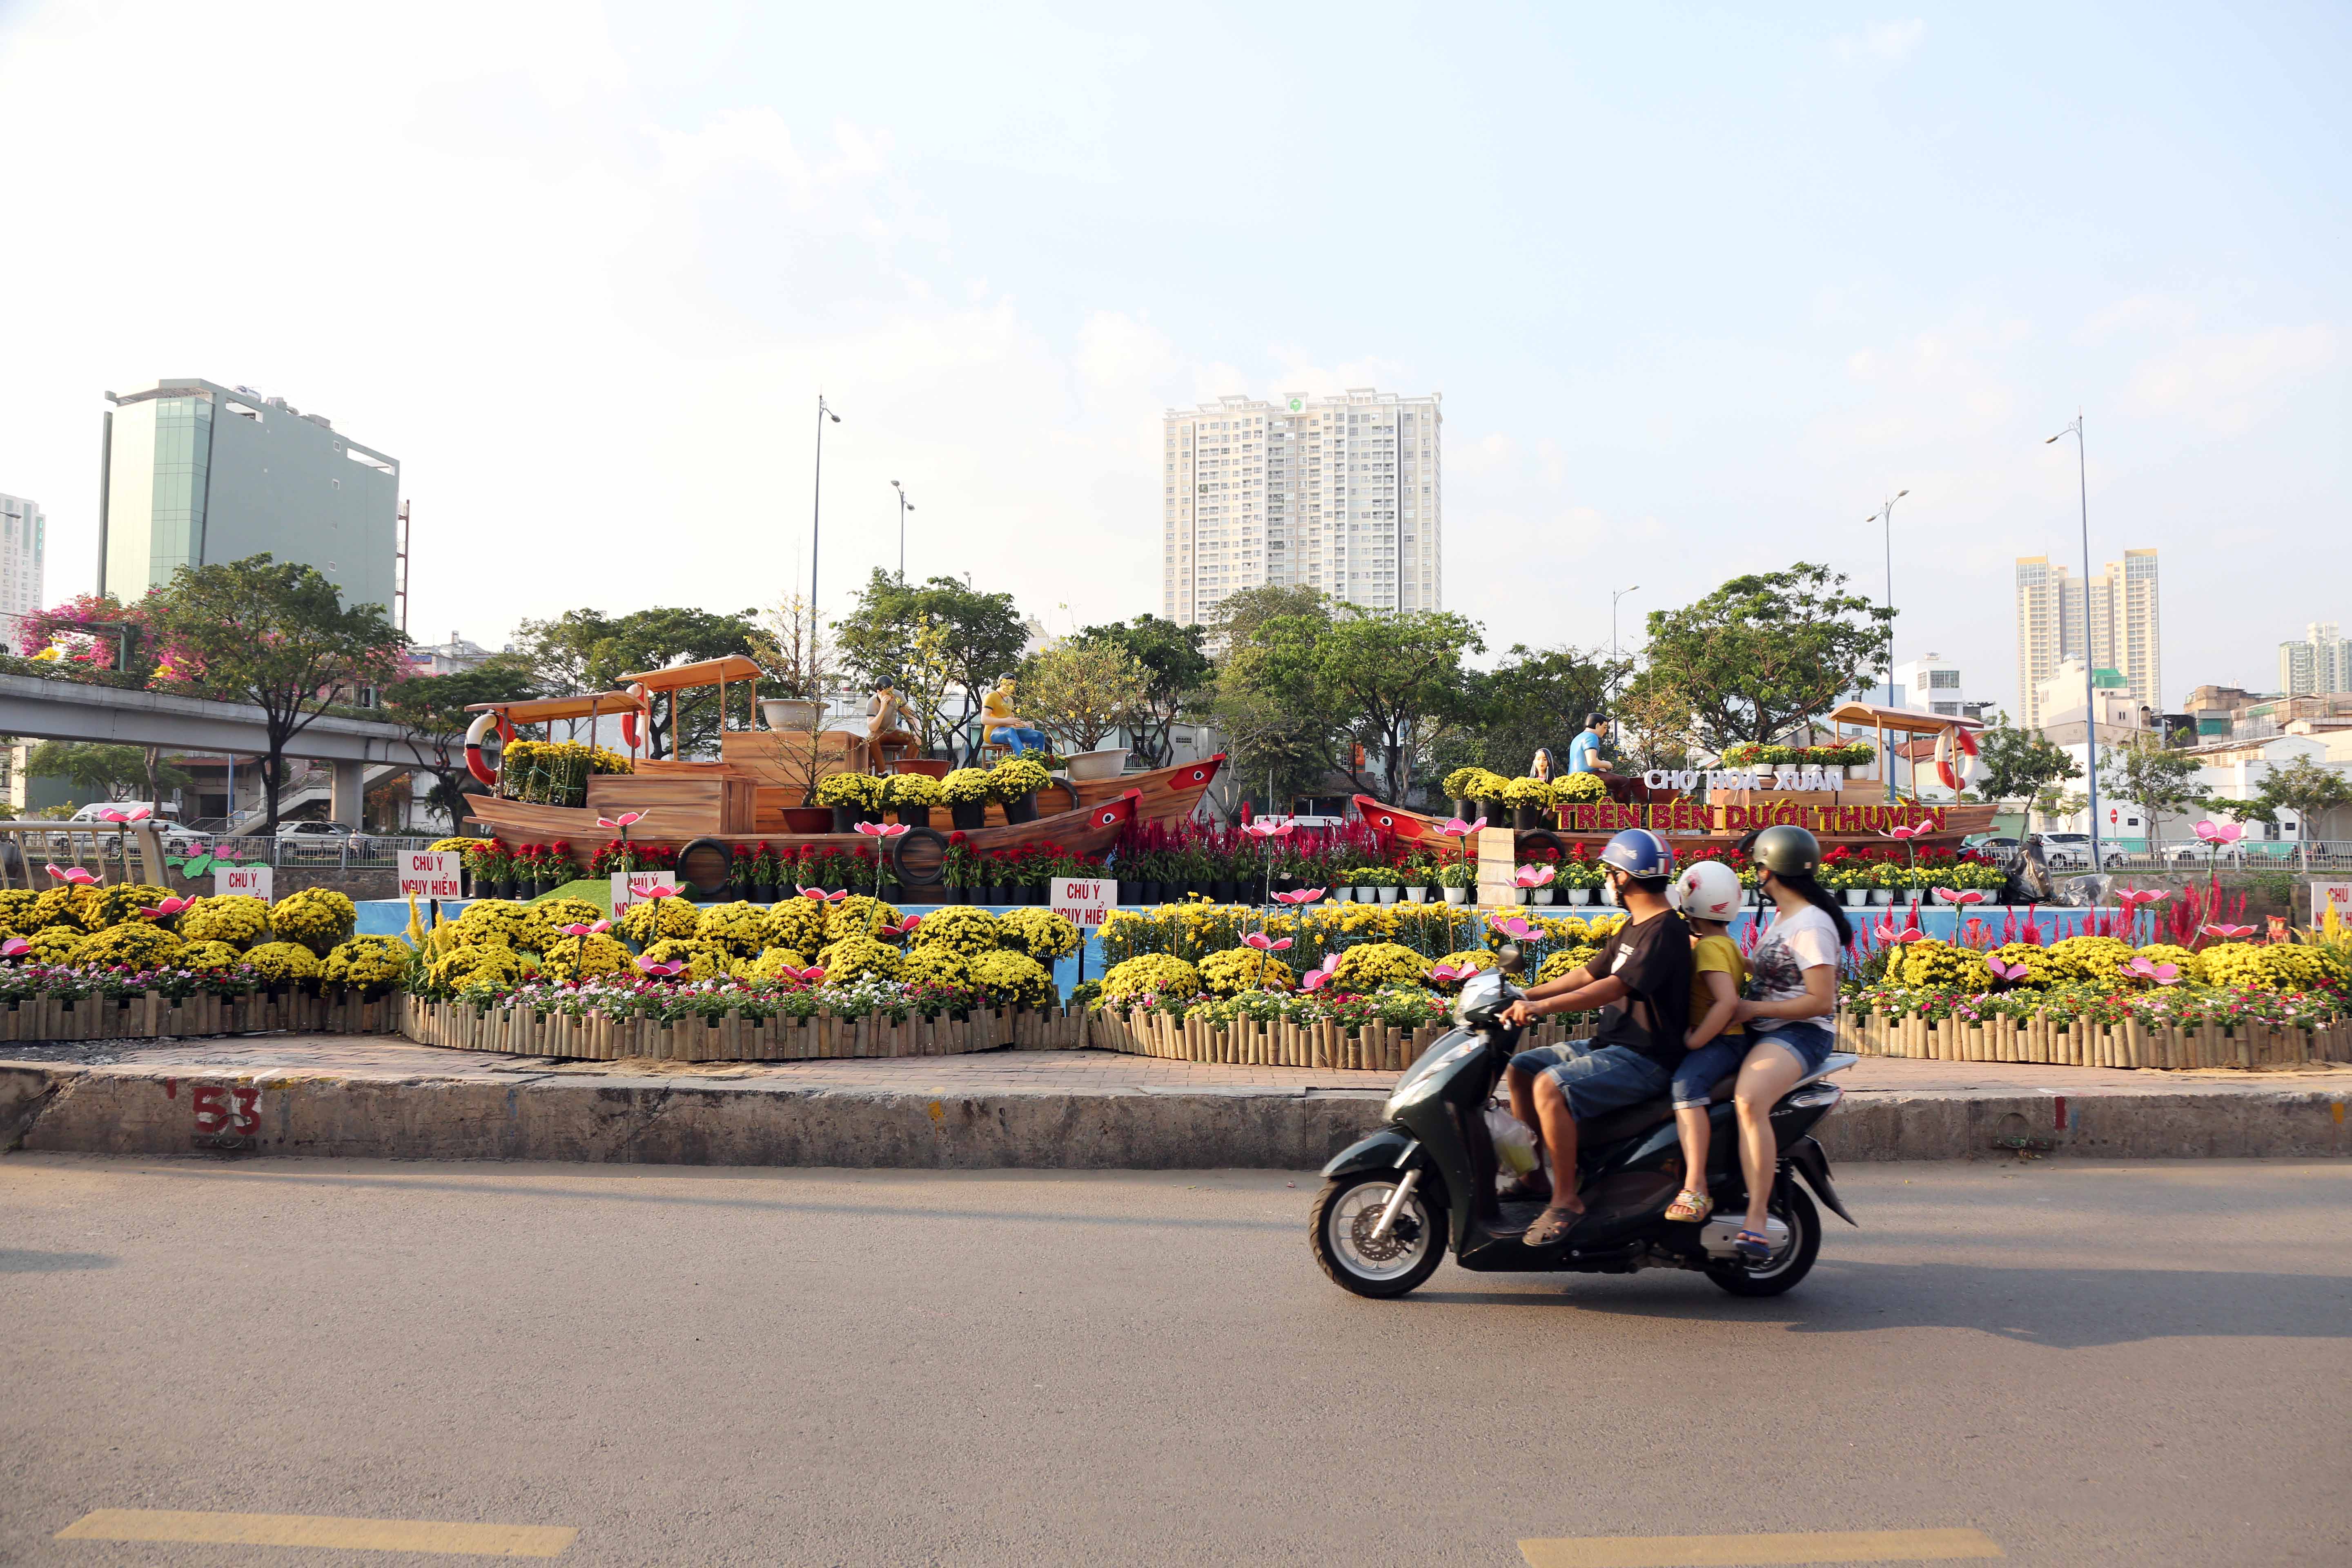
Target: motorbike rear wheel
{"points": [[1796, 1211], [1346, 1213]]}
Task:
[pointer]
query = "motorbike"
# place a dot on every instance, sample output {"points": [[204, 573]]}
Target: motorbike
{"points": [[1391, 1204]]}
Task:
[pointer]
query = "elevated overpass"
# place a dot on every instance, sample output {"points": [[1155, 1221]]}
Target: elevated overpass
{"points": [[36, 709]]}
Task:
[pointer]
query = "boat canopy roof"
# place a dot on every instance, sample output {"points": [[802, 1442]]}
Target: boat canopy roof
{"points": [[706, 672], [544, 710], [1902, 721]]}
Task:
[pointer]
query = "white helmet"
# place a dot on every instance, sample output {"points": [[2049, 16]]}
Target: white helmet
{"points": [[1708, 890]]}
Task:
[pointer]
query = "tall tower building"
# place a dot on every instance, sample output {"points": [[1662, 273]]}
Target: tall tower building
{"points": [[2321, 662], [2112, 620], [197, 474], [23, 541], [1344, 494]]}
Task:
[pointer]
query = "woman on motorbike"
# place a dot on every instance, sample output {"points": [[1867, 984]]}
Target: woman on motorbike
{"points": [[1791, 1009]]}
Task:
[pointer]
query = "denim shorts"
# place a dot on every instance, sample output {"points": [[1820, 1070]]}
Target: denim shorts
{"points": [[1809, 1043], [1694, 1080], [1596, 1082]]}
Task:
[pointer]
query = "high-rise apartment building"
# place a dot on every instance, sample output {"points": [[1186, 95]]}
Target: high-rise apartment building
{"points": [[23, 543], [2321, 662], [198, 474], [2111, 621], [1344, 494]]}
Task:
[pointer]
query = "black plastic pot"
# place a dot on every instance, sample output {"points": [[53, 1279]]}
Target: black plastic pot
{"points": [[913, 815], [991, 893], [844, 819], [1023, 809], [1462, 808], [502, 890], [1527, 818], [763, 893], [1147, 892], [1494, 811], [968, 815], [1222, 891]]}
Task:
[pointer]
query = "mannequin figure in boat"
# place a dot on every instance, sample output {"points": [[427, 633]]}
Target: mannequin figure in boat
{"points": [[885, 723], [1000, 727]]}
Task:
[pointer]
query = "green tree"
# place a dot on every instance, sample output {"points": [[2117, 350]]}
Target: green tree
{"points": [[2019, 763], [1534, 700], [2152, 776], [1761, 653], [1391, 680], [1080, 691], [2309, 791], [120, 772], [983, 635], [1290, 746], [1177, 672], [432, 709], [585, 650], [278, 636]]}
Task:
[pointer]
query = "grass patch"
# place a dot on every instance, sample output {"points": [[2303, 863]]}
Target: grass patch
{"points": [[597, 890]]}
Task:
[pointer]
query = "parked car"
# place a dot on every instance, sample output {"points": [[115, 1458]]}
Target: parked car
{"points": [[95, 812], [1991, 844], [2073, 850], [322, 835]]}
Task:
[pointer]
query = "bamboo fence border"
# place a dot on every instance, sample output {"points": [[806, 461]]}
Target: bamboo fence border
{"points": [[49, 1020], [2127, 1044], [1376, 1048], [732, 1037]]}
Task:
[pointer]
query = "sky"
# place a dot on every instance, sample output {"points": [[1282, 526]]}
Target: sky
{"points": [[1700, 287]]}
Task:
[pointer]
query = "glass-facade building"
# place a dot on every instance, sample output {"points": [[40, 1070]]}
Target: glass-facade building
{"points": [[198, 474]]}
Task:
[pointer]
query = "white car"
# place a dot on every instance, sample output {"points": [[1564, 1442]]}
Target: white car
{"points": [[2071, 849], [324, 835]]}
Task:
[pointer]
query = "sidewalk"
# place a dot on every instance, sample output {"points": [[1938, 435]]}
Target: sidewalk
{"points": [[372, 1098]]}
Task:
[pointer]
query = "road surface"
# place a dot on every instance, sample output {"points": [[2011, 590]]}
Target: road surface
{"points": [[2071, 1363]]}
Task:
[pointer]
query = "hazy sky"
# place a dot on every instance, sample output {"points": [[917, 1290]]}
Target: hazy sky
{"points": [[1699, 286]]}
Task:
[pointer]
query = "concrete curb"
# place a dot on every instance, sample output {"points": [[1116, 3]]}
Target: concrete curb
{"points": [[133, 1111]]}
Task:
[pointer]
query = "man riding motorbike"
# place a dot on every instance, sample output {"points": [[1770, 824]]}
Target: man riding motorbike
{"points": [[1641, 981]]}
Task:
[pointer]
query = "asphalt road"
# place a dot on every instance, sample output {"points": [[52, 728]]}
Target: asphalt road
{"points": [[2089, 1363]]}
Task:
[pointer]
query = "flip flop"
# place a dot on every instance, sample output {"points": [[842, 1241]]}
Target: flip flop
{"points": [[1753, 1245], [1551, 1226]]}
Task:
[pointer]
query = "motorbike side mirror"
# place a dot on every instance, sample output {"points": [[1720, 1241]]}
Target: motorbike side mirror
{"points": [[1512, 962]]}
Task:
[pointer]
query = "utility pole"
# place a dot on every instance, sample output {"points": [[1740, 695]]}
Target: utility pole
{"points": [[1886, 517], [2090, 675], [816, 511]]}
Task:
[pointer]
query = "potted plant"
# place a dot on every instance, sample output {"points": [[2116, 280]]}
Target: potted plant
{"points": [[1457, 878], [1462, 786], [1014, 782], [1375, 884], [756, 873], [1529, 800], [1419, 875], [966, 793], [911, 796], [854, 798], [1884, 878], [955, 870]]}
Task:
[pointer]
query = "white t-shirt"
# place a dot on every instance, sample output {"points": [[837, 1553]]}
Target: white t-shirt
{"points": [[1806, 939]]}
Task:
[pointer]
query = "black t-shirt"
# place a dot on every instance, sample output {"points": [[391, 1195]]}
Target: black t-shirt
{"points": [[1653, 960]]}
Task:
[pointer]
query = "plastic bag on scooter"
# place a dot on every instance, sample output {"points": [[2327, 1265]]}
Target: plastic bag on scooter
{"points": [[1515, 1142]]}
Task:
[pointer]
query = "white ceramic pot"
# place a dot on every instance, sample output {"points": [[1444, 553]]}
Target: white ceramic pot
{"points": [[1543, 895], [1856, 897], [1458, 895], [1339, 895], [1085, 765], [1882, 895], [1416, 895], [1366, 894], [1387, 895], [790, 713], [1580, 895]]}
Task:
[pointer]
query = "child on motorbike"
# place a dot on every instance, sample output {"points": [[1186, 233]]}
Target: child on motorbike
{"points": [[1707, 895]]}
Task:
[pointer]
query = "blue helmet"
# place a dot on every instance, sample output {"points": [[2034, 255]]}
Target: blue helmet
{"points": [[1638, 852]]}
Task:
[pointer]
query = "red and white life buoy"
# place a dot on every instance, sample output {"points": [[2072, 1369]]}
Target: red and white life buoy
{"points": [[481, 757], [629, 719], [1956, 757]]}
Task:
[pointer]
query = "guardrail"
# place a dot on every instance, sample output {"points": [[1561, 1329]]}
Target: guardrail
{"points": [[2196, 855]]}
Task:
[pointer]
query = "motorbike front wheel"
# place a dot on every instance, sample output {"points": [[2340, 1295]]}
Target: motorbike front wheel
{"points": [[1348, 1211], [1796, 1211]]}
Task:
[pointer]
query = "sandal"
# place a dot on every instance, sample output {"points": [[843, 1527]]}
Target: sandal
{"points": [[1689, 1208], [1753, 1245], [1552, 1225]]}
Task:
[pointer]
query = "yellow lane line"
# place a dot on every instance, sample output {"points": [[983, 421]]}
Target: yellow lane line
{"points": [[313, 1530], [1743, 1551]]}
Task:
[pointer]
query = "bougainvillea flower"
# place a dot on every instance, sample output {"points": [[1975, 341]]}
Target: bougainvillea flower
{"points": [[2219, 833], [2230, 933], [664, 971], [2162, 974], [1313, 978], [2007, 971], [1535, 875], [15, 947], [2133, 898], [622, 823], [1303, 896], [166, 909], [1264, 943], [882, 830], [820, 895], [72, 876], [1962, 895], [1454, 828], [1265, 828], [1518, 930]]}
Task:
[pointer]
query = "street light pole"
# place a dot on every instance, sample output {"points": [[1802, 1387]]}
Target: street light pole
{"points": [[1886, 517], [816, 509], [905, 506], [1615, 594], [2090, 677]]}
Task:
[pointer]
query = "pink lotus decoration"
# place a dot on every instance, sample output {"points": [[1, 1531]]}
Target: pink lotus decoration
{"points": [[622, 823], [2217, 834], [1303, 896], [652, 894], [1263, 829], [1314, 979], [72, 876], [808, 976], [1962, 895], [663, 971], [2230, 933], [1535, 875], [2162, 974], [902, 927], [599, 929], [1264, 943], [1446, 973], [1454, 828], [1887, 932], [820, 895], [882, 830], [111, 816], [2133, 897], [1911, 831], [2007, 971], [1518, 930], [15, 947], [166, 909]]}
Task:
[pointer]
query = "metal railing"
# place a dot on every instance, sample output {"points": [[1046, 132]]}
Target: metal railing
{"points": [[2196, 855]]}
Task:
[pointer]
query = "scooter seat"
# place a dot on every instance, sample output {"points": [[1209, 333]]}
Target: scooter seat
{"points": [[1616, 1126]]}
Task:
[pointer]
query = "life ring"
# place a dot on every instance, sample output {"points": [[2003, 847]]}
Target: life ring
{"points": [[629, 719], [481, 759], [1956, 757]]}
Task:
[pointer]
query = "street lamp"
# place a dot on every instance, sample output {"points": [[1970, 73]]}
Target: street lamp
{"points": [[905, 506], [1885, 516], [817, 506], [2090, 684], [1615, 594]]}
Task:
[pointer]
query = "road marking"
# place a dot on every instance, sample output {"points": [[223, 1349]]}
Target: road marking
{"points": [[1737, 1551], [314, 1529]]}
